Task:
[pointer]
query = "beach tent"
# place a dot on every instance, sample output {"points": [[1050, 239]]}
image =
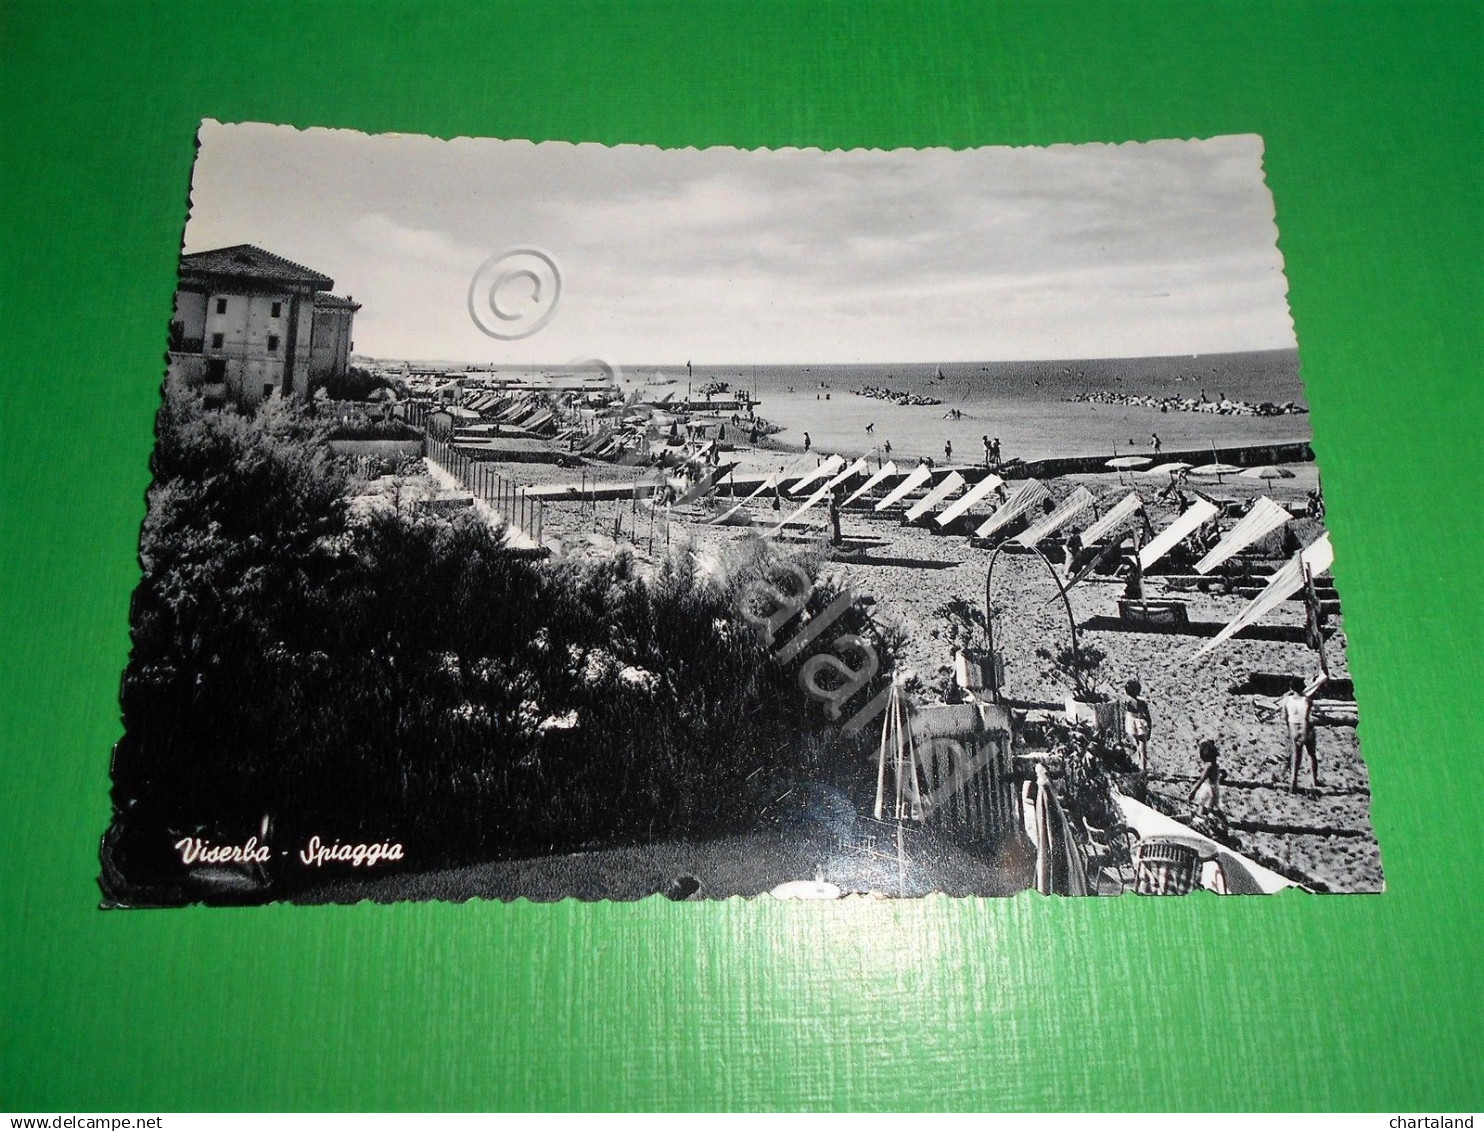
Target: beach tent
{"points": [[706, 484], [1031, 493], [1200, 512], [976, 492], [1314, 560], [1073, 505], [1265, 517], [766, 485], [517, 408], [821, 493], [872, 483], [828, 467], [915, 479], [1125, 509], [859, 467], [600, 438], [811, 501], [951, 485]]}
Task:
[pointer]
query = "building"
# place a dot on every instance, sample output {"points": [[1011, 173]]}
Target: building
{"points": [[250, 325], [330, 342]]}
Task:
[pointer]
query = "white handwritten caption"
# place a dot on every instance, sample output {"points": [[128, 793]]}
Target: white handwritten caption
{"points": [[196, 850]]}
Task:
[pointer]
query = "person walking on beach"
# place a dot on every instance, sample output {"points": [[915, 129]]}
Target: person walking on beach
{"points": [[871, 429], [1137, 721], [1298, 716], [1154, 439], [806, 441], [1205, 795], [947, 451], [886, 447]]}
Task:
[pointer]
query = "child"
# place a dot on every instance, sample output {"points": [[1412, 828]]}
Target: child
{"points": [[1137, 721], [1206, 794]]}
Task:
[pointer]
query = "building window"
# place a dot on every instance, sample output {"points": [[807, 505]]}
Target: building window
{"points": [[277, 309], [221, 306], [216, 341], [272, 343]]}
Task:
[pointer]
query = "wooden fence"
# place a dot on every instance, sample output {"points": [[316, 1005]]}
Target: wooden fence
{"points": [[511, 502]]}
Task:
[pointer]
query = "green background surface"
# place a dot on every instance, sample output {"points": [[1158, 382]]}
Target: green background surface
{"points": [[1371, 115]]}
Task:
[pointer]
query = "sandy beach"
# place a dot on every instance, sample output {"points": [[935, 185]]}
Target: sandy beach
{"points": [[1322, 837]]}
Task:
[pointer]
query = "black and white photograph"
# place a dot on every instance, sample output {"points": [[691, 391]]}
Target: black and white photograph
{"points": [[550, 520]]}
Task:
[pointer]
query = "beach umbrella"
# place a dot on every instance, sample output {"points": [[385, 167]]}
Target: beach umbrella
{"points": [[1266, 473], [1128, 463], [1216, 469], [1168, 468]]}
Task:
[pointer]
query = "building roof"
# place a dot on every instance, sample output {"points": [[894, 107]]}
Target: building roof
{"points": [[335, 302], [244, 261]]}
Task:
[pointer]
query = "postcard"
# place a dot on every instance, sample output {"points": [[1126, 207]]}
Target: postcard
{"points": [[567, 520]]}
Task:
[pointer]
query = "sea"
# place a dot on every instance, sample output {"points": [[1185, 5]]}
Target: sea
{"points": [[1029, 406]]}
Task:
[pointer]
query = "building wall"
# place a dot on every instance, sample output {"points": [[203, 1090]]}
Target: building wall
{"points": [[330, 342], [190, 317], [250, 334]]}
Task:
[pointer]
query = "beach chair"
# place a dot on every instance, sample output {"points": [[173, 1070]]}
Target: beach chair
{"points": [[1110, 852], [1165, 867]]}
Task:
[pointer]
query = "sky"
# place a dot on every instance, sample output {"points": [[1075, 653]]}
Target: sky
{"points": [[726, 256]]}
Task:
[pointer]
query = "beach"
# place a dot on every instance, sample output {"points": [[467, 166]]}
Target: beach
{"points": [[1322, 838]]}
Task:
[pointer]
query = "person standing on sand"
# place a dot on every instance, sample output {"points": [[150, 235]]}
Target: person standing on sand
{"points": [[1137, 721], [947, 451], [1298, 716], [806, 441], [994, 448], [987, 450], [886, 447], [1205, 795], [1154, 439]]}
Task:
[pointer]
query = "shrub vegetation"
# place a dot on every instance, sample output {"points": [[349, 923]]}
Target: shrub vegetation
{"points": [[405, 677]]}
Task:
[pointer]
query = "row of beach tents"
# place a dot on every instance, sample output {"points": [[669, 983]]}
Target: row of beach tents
{"points": [[952, 498]]}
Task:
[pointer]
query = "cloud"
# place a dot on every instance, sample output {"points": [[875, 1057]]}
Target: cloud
{"points": [[736, 256], [382, 235]]}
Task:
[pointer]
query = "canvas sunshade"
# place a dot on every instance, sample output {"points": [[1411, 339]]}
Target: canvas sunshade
{"points": [[1265, 517], [1201, 511]]}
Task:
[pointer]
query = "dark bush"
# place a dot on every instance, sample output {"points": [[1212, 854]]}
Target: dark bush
{"points": [[406, 677]]}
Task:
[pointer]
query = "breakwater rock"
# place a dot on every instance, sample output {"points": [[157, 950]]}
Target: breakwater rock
{"points": [[1220, 407]]}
